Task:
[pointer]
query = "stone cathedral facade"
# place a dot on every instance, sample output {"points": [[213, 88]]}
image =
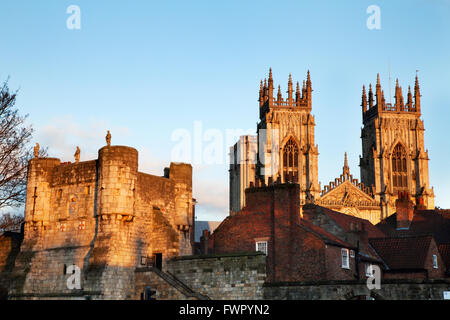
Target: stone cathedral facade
{"points": [[394, 158]]}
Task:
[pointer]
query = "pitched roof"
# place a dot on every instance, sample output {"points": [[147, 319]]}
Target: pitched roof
{"points": [[425, 222], [323, 234], [204, 225], [444, 250], [403, 252], [346, 221]]}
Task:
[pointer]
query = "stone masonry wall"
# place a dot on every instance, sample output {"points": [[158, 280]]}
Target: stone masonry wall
{"points": [[233, 276], [344, 290], [103, 216]]}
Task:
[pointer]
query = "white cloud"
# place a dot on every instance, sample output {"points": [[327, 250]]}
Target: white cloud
{"points": [[63, 134]]}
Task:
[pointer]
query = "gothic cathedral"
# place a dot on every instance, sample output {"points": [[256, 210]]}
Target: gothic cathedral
{"points": [[393, 155]]}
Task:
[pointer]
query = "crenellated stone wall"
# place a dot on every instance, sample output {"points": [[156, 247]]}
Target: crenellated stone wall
{"points": [[105, 217]]}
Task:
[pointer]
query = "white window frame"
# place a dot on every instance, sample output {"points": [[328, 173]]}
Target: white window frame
{"points": [[352, 254], [369, 270], [435, 262], [264, 244], [345, 258]]}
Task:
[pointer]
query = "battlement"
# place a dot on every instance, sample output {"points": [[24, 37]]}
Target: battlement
{"points": [[103, 216], [267, 100], [371, 107]]}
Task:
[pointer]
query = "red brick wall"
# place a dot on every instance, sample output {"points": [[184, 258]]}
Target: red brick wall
{"points": [[440, 271], [334, 265], [294, 253], [405, 275]]}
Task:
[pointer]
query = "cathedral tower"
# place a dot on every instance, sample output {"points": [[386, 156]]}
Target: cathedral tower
{"points": [[286, 149], [394, 157]]}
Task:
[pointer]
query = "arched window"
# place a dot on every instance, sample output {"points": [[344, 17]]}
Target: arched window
{"points": [[399, 171], [290, 161]]}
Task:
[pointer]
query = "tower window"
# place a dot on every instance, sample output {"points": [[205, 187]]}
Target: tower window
{"points": [[399, 170], [290, 161]]}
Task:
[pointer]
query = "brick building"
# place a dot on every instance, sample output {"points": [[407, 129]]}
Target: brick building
{"points": [[297, 249], [417, 221], [314, 243]]}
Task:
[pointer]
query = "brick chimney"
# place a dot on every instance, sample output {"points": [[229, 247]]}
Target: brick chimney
{"points": [[405, 210], [204, 241], [420, 204]]}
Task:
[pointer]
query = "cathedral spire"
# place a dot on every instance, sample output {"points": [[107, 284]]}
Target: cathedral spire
{"points": [[279, 97], [345, 168], [364, 99], [370, 96]]}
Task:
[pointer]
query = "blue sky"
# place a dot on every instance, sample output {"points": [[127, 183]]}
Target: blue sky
{"points": [[145, 69]]}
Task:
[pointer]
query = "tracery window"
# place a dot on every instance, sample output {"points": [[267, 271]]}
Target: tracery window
{"points": [[399, 170], [290, 161]]}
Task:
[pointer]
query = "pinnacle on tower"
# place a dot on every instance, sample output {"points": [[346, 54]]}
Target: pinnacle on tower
{"points": [[279, 97], [290, 90], [398, 97], [364, 99], [409, 102], [297, 93], [417, 94], [345, 168], [378, 91], [270, 84], [370, 96], [261, 94], [308, 90]]}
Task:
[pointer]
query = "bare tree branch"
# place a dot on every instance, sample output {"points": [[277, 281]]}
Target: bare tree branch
{"points": [[15, 150], [10, 222]]}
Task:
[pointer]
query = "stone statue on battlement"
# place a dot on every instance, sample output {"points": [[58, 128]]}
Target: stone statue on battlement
{"points": [[77, 155], [36, 150], [108, 138]]}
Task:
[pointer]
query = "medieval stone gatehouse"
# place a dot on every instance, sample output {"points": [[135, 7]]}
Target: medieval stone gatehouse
{"points": [[104, 218]]}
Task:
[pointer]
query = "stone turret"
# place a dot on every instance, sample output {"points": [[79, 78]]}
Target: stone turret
{"points": [[38, 205], [118, 171]]}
